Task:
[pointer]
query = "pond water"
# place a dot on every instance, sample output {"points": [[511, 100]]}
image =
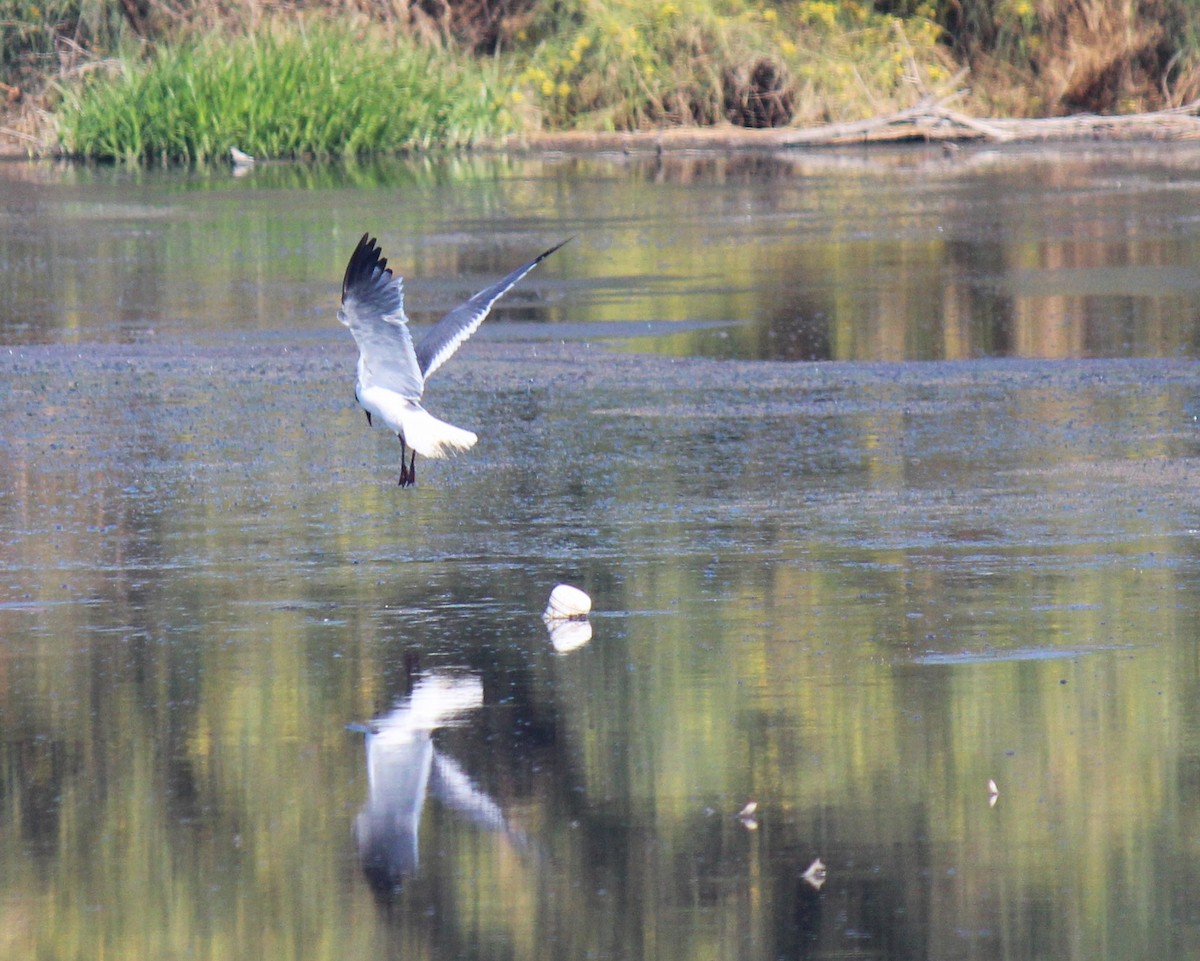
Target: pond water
{"points": [[880, 467]]}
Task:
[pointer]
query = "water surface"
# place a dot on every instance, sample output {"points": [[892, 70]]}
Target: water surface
{"points": [[857, 592]]}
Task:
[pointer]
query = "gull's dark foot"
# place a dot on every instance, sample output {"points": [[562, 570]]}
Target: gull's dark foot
{"points": [[408, 472]]}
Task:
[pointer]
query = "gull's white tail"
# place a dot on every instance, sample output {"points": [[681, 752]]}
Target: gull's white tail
{"points": [[431, 437], [421, 431]]}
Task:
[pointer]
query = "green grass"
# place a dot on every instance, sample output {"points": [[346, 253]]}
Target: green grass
{"points": [[288, 91]]}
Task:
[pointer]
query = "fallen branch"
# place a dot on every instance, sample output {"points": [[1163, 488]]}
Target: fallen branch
{"points": [[927, 121], [1177, 123], [18, 135], [935, 122]]}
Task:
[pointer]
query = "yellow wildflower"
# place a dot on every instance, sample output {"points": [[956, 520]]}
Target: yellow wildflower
{"points": [[820, 12]]}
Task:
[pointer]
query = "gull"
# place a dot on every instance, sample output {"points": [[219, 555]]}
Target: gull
{"points": [[240, 158], [391, 370]]}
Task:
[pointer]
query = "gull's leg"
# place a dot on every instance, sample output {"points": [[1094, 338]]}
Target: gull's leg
{"points": [[412, 469], [405, 479], [368, 413]]}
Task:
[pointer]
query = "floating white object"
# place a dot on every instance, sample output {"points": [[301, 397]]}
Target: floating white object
{"points": [[568, 635], [746, 816], [567, 603], [815, 874], [240, 158], [993, 793], [566, 618]]}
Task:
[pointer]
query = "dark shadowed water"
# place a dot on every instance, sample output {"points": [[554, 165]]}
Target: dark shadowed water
{"points": [[881, 469]]}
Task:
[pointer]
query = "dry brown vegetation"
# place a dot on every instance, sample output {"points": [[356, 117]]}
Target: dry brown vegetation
{"points": [[1056, 57]]}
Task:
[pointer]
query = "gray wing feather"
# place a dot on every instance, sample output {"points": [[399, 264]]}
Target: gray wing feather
{"points": [[373, 309], [453, 787], [437, 346]]}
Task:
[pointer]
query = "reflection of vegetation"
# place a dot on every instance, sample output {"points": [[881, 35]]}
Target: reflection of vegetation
{"points": [[855, 264]]}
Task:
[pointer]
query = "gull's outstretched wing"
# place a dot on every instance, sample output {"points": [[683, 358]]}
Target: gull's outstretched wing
{"points": [[373, 309], [454, 788], [437, 346]]}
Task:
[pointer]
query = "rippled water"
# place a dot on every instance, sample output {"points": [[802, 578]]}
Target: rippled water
{"points": [[937, 620]]}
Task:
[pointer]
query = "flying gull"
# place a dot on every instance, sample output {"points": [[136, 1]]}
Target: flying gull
{"points": [[392, 370]]}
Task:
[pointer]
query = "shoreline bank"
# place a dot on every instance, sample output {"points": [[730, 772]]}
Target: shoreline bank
{"points": [[917, 125]]}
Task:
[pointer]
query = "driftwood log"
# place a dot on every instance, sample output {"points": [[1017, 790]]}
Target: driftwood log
{"points": [[927, 121]]}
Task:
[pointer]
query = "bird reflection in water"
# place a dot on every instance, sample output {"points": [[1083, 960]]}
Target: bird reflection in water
{"points": [[403, 767]]}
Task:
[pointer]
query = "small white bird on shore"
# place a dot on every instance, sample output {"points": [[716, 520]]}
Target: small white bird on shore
{"points": [[391, 370], [240, 158]]}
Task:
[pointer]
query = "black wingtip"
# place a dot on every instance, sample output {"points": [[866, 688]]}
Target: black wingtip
{"points": [[561, 243], [366, 264]]}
